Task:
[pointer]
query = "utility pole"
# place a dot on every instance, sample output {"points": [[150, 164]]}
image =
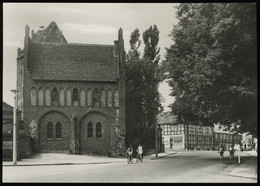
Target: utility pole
{"points": [[14, 130], [156, 152]]}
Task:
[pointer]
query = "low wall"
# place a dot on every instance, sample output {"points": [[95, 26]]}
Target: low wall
{"points": [[24, 147]]}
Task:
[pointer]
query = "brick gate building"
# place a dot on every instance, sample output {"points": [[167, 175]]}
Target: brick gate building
{"points": [[72, 96]]}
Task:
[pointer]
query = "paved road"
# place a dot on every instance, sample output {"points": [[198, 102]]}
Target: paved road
{"points": [[181, 167]]}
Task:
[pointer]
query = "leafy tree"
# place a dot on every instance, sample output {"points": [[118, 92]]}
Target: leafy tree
{"points": [[212, 65], [142, 86]]}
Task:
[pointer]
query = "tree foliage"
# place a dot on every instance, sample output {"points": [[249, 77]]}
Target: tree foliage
{"points": [[142, 82], [212, 65]]}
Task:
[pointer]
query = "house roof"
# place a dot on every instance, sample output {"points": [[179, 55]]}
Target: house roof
{"points": [[63, 61], [166, 118], [7, 107]]}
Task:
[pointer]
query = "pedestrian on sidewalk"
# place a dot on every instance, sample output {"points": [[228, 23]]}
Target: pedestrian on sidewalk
{"points": [[244, 147], [231, 152], [221, 152], [241, 147], [129, 154]]}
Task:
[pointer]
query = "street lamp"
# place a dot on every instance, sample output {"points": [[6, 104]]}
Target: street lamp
{"points": [[156, 151], [14, 130]]}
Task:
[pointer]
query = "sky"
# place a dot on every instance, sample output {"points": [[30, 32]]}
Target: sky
{"points": [[86, 23]]}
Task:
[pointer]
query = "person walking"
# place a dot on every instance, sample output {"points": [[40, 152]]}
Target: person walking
{"points": [[221, 152], [129, 154], [139, 151], [241, 147], [245, 147], [231, 152]]}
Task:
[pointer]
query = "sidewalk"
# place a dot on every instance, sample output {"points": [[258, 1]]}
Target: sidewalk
{"points": [[72, 159], [246, 169], [64, 159], [162, 154]]}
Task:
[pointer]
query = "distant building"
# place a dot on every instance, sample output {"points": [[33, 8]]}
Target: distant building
{"points": [[24, 149], [72, 96], [187, 136]]}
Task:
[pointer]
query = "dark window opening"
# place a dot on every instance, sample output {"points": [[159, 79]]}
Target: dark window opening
{"points": [[90, 130], [75, 97], [54, 97], [99, 130], [50, 130]]}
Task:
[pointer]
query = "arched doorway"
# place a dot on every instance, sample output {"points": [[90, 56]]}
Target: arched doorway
{"points": [[94, 133]]}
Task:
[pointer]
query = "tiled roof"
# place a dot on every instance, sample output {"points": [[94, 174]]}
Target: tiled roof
{"points": [[166, 118], [56, 61], [7, 107]]}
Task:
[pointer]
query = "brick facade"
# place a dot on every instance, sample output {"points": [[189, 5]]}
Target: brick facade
{"points": [[73, 67]]}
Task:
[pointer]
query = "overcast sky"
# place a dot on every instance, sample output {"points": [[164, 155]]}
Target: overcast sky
{"points": [[89, 23]]}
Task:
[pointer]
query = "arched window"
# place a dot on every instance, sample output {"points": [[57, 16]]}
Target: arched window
{"points": [[99, 130], [33, 97], [58, 130], [90, 130], [75, 97], [82, 98], [54, 97], [50, 130], [89, 98], [47, 97], [62, 97], [116, 98], [95, 98], [109, 98], [103, 98], [68, 97], [40, 97]]}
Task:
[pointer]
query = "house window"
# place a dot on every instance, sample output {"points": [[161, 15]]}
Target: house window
{"points": [[82, 98], [47, 97], [98, 130], [58, 130], [90, 130], [54, 97], [33, 97], [62, 97], [109, 98], [40, 97], [68, 97], [95, 98], [89, 98], [75, 97], [103, 98], [116, 98], [50, 130]]}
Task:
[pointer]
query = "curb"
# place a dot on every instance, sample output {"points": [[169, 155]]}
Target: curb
{"points": [[226, 171], [163, 156], [46, 164]]}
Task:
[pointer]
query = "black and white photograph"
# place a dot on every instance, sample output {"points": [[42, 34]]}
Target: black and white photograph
{"points": [[128, 92]]}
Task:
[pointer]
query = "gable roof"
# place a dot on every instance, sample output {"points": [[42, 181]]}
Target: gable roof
{"points": [[50, 34], [81, 62], [7, 107]]}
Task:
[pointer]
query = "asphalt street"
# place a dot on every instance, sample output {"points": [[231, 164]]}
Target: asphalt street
{"points": [[181, 167]]}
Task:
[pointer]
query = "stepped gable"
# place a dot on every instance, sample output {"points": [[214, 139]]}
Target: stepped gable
{"points": [[80, 62]]}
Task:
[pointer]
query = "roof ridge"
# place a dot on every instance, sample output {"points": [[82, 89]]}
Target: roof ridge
{"points": [[72, 44]]}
